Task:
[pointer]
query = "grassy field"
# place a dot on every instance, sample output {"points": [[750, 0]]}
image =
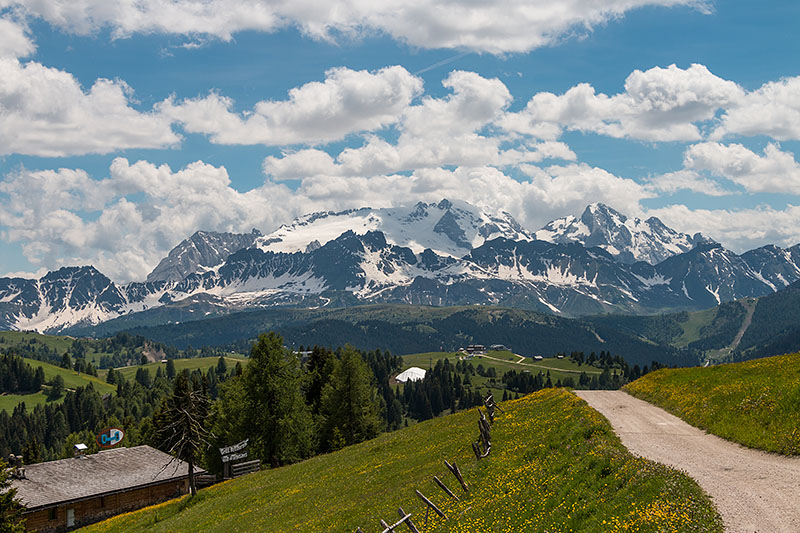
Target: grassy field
{"points": [[202, 363], [555, 466], [72, 380], [59, 343], [755, 403], [9, 401], [504, 361]]}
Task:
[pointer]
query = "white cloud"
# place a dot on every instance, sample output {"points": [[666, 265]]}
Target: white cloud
{"points": [[347, 101], [46, 112], [660, 104], [437, 132], [685, 180], [772, 110], [124, 224], [493, 27], [737, 229], [774, 171], [25, 274], [14, 40]]}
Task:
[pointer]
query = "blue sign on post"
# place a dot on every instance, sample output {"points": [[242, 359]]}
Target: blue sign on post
{"points": [[110, 437]]}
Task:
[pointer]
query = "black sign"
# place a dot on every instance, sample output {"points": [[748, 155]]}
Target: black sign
{"points": [[232, 453]]}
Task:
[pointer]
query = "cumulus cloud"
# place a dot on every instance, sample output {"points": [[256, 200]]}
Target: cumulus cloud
{"points": [[772, 110], [493, 27], [140, 210], [347, 101], [738, 229], [46, 112], [685, 180], [436, 132], [136, 214], [774, 171], [14, 40], [660, 104]]}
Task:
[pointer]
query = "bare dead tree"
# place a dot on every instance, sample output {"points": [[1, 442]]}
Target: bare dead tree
{"points": [[179, 425]]}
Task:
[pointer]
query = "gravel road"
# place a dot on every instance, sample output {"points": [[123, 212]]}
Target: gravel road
{"points": [[753, 490]]}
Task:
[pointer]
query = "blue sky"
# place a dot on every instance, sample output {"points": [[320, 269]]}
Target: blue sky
{"points": [[126, 126]]}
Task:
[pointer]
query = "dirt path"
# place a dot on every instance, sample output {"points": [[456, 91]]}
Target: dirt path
{"points": [[753, 491]]}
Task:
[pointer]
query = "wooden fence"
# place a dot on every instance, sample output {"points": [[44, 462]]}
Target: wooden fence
{"points": [[481, 448]]}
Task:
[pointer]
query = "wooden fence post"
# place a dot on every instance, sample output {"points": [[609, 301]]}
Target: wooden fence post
{"points": [[457, 473], [430, 504], [409, 523], [445, 488]]}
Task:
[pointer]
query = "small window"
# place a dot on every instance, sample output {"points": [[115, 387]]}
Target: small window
{"points": [[51, 514], [102, 501]]}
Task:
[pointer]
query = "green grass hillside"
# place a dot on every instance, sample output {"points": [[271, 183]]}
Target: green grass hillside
{"points": [[755, 403], [502, 362], [72, 380], [195, 363], [555, 465]]}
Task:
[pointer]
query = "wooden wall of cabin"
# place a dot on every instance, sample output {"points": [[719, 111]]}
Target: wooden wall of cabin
{"points": [[54, 520]]}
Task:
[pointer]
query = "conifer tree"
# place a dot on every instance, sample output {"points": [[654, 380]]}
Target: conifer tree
{"points": [[170, 369], [280, 420], [11, 520], [350, 404]]}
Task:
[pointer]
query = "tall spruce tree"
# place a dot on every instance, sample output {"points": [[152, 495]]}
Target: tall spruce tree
{"points": [[350, 404], [11, 520], [280, 421]]}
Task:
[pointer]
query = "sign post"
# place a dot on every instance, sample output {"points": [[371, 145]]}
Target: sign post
{"points": [[233, 453]]}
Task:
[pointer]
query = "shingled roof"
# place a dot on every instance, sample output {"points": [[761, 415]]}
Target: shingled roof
{"points": [[110, 471]]}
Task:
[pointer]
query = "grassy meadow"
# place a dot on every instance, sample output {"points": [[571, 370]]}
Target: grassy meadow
{"points": [[755, 403], [195, 363], [72, 380], [503, 361], [555, 466]]}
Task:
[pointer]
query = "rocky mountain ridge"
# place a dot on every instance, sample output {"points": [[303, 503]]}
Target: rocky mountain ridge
{"points": [[412, 256]]}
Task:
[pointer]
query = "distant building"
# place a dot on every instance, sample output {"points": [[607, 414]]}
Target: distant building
{"points": [[499, 348], [59, 495], [474, 349], [412, 374], [538, 358]]}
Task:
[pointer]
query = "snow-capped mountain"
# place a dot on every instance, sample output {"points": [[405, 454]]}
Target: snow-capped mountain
{"points": [[431, 254], [203, 250], [66, 297], [450, 228], [627, 239]]}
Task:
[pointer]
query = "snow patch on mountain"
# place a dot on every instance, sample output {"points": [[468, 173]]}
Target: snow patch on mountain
{"points": [[627, 239], [449, 228]]}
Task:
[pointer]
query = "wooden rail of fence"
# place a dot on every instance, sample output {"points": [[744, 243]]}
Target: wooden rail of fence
{"points": [[248, 467]]}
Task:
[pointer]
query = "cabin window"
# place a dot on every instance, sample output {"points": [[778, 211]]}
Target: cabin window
{"points": [[102, 501], [51, 514]]}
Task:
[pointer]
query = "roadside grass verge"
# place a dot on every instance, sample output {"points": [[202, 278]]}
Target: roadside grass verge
{"points": [[555, 465], [755, 403]]}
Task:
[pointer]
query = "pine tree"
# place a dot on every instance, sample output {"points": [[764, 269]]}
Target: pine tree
{"points": [[56, 388], [170, 369], [350, 401], [222, 366], [282, 426], [11, 520]]}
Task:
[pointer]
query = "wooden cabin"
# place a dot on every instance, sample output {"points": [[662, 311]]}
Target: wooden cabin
{"points": [[69, 493]]}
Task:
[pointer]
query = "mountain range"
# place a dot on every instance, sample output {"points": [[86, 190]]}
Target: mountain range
{"points": [[435, 254]]}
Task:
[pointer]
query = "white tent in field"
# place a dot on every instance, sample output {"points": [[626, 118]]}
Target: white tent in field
{"points": [[412, 374]]}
